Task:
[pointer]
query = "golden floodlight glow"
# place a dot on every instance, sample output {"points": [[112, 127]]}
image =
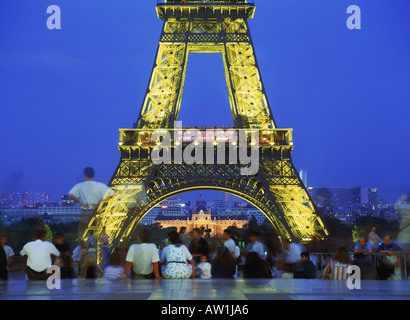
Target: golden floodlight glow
{"points": [[276, 190]]}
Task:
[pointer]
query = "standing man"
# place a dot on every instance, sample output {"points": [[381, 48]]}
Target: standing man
{"points": [[229, 242], [39, 254], [7, 249], [76, 255], [91, 244], [89, 194], [143, 258], [255, 245], [105, 240], [374, 239], [198, 246], [292, 254]]}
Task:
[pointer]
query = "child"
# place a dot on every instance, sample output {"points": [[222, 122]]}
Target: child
{"points": [[114, 270], [204, 268]]}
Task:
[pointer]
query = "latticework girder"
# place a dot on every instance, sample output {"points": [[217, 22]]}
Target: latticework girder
{"points": [[275, 189]]}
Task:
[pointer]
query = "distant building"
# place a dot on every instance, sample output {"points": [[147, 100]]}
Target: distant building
{"points": [[66, 201], [373, 196], [23, 198], [164, 210], [249, 212], [54, 213], [201, 218], [4, 198], [344, 196], [9, 215], [171, 203], [303, 176], [60, 214]]}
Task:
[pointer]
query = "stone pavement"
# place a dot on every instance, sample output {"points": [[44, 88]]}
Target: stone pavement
{"points": [[17, 288]]}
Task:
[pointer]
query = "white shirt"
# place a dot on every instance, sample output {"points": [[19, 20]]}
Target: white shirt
{"points": [[38, 253], [206, 270], [293, 254], [172, 253], [113, 273], [91, 192], [142, 257], [374, 239], [258, 248], [230, 244], [9, 252]]}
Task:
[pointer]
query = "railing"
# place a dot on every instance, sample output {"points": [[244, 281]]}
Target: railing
{"points": [[152, 137], [205, 1], [321, 259]]}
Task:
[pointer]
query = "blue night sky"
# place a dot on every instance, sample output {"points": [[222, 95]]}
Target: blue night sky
{"points": [[65, 93]]}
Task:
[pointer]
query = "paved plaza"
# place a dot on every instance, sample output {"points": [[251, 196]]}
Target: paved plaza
{"points": [[17, 288]]}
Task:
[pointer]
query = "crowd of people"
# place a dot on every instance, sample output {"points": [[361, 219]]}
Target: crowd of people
{"points": [[184, 257], [387, 264], [190, 257], [176, 260]]}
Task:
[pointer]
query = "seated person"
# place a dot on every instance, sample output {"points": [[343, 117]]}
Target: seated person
{"points": [[367, 268], [198, 246], [203, 269], [337, 268], [224, 264], [39, 254], [114, 269], [256, 267], [305, 269], [143, 258], [176, 259]]}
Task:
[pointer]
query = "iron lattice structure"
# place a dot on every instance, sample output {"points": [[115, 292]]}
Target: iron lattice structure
{"points": [[277, 190]]}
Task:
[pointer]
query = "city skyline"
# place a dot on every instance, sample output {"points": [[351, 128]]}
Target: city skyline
{"points": [[65, 93]]}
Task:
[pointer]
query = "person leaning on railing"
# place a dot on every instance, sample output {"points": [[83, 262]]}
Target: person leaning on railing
{"points": [[363, 246], [389, 263]]}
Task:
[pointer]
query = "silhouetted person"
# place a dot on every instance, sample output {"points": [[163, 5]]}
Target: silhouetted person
{"points": [[224, 264], [7, 249], [61, 245], [3, 264], [199, 246], [256, 267], [305, 269], [367, 268]]}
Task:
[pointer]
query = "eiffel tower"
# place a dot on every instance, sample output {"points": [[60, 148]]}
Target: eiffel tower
{"points": [[140, 184]]}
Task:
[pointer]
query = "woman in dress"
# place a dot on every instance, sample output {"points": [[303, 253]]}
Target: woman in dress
{"points": [[176, 259]]}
